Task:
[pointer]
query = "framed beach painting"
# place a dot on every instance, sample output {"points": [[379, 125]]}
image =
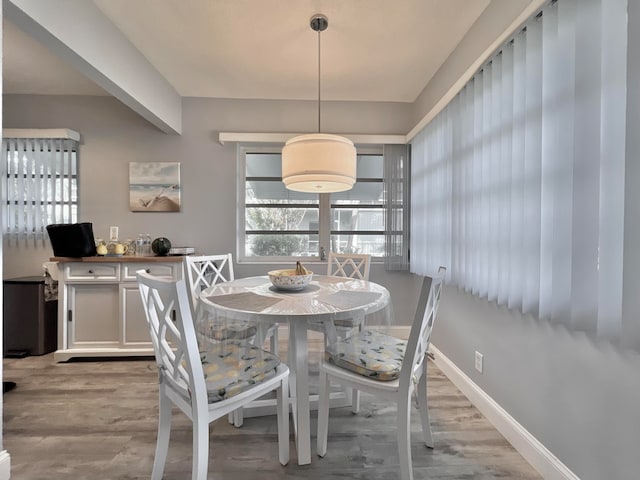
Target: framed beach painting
{"points": [[154, 187]]}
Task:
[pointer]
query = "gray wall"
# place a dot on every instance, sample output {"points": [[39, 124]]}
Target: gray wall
{"points": [[578, 397], [112, 136]]}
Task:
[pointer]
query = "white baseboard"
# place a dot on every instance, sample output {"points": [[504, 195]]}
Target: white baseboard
{"points": [[534, 452], [5, 465]]}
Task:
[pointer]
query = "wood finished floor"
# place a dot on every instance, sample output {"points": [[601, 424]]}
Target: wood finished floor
{"points": [[97, 420]]}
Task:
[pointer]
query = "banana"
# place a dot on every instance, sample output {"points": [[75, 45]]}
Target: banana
{"points": [[301, 270]]}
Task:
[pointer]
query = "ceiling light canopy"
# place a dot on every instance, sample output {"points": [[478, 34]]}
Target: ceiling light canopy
{"points": [[318, 162]]}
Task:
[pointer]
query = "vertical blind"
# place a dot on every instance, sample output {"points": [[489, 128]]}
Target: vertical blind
{"points": [[517, 185], [396, 206], [40, 185]]}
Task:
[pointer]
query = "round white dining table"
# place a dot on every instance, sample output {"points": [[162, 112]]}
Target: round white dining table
{"points": [[326, 299]]}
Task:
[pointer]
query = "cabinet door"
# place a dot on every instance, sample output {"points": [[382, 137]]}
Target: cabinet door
{"points": [[93, 317], [135, 331]]}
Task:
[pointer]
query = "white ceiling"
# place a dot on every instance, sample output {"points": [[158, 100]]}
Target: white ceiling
{"points": [[373, 50]]}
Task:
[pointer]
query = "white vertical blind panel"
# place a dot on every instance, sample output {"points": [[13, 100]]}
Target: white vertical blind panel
{"points": [[484, 186], [4, 187], [586, 167], [612, 169], [25, 148], [46, 193], [549, 161], [457, 186], [516, 235], [505, 174], [493, 172], [37, 198], [418, 203], [561, 202], [55, 162], [476, 188], [532, 154]]}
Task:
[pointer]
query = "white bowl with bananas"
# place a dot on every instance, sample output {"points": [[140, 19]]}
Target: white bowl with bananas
{"points": [[292, 279]]}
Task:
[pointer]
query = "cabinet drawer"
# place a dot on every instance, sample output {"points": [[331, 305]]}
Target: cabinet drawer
{"points": [[164, 270], [92, 271]]}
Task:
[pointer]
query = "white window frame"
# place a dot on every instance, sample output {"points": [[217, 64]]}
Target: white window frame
{"points": [[324, 208], [53, 182]]}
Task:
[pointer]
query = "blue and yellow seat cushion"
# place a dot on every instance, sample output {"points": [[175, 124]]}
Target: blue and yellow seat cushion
{"points": [[219, 330], [369, 353], [231, 367]]}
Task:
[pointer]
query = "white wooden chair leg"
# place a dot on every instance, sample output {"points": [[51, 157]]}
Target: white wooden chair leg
{"points": [[323, 415], [355, 401], [424, 410], [200, 449], [404, 438], [238, 417], [282, 400], [164, 431], [230, 418]]}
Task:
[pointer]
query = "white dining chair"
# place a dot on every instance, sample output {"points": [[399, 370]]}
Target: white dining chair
{"points": [[388, 367], [204, 385], [347, 265], [204, 271]]}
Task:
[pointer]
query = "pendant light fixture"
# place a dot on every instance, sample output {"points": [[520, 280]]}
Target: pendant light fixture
{"points": [[319, 162]]}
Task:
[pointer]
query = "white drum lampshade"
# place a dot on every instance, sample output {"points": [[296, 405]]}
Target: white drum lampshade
{"points": [[319, 163]]}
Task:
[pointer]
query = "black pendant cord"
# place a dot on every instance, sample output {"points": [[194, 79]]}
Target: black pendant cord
{"points": [[319, 107]]}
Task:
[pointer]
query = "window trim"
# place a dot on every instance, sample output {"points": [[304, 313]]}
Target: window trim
{"points": [[60, 146], [324, 204]]}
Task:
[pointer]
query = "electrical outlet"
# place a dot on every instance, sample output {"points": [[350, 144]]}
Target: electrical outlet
{"points": [[113, 234], [479, 361]]}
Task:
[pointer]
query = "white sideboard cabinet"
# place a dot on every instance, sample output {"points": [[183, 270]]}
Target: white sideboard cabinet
{"points": [[100, 312]]}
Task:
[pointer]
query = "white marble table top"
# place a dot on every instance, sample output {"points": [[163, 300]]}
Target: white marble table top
{"points": [[325, 298]]}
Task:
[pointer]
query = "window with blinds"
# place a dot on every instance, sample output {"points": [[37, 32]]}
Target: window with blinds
{"points": [[40, 185], [281, 223], [518, 184]]}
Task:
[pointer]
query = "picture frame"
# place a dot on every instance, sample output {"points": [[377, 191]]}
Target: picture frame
{"points": [[154, 187]]}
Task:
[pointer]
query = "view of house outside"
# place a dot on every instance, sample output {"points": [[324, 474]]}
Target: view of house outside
{"points": [[279, 222]]}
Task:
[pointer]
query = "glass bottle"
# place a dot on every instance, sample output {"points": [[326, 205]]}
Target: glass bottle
{"points": [[130, 247], [140, 246], [147, 245]]}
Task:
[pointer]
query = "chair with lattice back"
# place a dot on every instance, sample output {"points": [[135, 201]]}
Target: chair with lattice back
{"points": [[388, 367], [204, 385], [204, 271], [355, 266], [346, 265], [351, 265]]}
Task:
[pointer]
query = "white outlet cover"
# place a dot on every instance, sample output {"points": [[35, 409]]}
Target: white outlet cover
{"points": [[479, 361]]}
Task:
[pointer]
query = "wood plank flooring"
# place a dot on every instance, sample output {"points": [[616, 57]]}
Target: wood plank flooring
{"points": [[97, 420]]}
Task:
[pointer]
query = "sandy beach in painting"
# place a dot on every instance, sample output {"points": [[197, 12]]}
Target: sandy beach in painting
{"points": [[154, 198]]}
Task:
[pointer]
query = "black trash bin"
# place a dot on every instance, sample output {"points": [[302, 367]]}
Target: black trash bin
{"points": [[30, 317]]}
